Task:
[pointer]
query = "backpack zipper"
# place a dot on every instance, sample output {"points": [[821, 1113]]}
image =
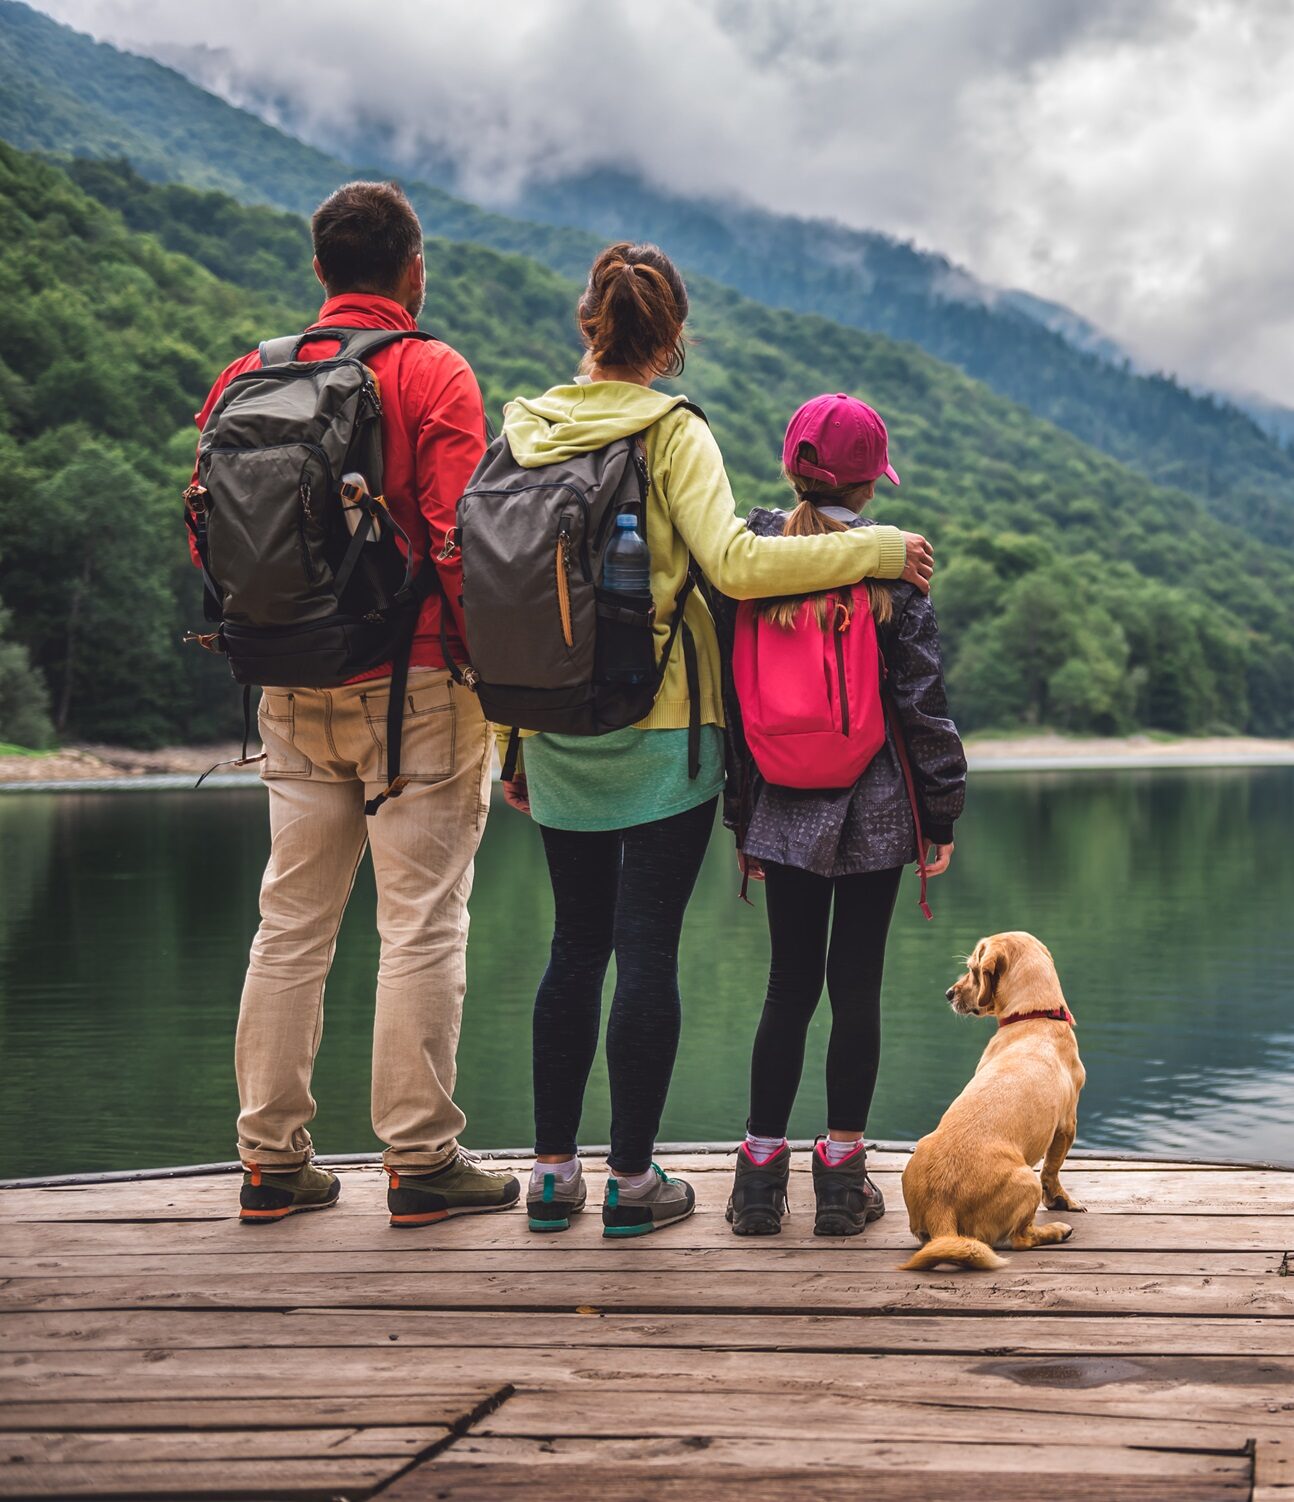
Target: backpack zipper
{"points": [[304, 515], [586, 566], [563, 570], [293, 371], [838, 636], [262, 448]]}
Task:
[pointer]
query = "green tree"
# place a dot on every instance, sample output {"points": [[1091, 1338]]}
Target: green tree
{"points": [[24, 699]]}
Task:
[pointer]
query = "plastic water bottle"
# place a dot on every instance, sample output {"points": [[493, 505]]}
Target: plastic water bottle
{"points": [[626, 566], [625, 642]]}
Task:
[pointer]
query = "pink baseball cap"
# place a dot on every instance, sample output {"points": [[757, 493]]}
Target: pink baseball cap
{"points": [[848, 438]]}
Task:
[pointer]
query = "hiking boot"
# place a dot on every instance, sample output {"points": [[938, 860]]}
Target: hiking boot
{"points": [[551, 1206], [461, 1187], [635, 1212], [847, 1199], [758, 1199], [267, 1196]]}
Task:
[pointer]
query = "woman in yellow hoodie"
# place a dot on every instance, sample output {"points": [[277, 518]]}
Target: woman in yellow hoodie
{"points": [[626, 817]]}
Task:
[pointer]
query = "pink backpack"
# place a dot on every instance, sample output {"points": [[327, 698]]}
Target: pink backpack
{"points": [[812, 703], [811, 696]]}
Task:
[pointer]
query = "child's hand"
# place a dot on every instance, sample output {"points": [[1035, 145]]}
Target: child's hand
{"points": [[938, 858], [516, 795], [921, 561], [750, 865]]}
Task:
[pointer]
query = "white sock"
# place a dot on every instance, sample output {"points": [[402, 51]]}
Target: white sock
{"points": [[836, 1152], [631, 1183], [564, 1172], [763, 1148]]}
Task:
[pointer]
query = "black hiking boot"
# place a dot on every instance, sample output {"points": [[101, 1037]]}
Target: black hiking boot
{"points": [[847, 1199], [758, 1199]]}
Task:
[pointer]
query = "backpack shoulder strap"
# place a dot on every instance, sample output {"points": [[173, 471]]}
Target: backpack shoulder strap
{"points": [[359, 344], [694, 410], [356, 344]]}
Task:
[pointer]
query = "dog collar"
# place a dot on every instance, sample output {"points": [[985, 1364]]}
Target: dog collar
{"points": [[1053, 1014]]}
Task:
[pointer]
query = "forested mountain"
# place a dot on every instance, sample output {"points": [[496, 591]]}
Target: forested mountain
{"points": [[1073, 592], [60, 91], [1022, 347]]}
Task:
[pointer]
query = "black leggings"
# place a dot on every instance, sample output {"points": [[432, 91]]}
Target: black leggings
{"points": [[799, 914], [624, 890]]}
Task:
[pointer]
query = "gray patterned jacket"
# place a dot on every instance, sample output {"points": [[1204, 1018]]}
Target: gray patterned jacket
{"points": [[867, 827]]}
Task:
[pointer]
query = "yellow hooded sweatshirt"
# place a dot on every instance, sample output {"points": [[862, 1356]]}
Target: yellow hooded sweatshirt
{"points": [[691, 511]]}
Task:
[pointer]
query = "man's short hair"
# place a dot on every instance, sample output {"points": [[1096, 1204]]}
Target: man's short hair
{"points": [[365, 234]]}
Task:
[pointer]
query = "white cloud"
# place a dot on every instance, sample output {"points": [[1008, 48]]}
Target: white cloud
{"points": [[1130, 158]]}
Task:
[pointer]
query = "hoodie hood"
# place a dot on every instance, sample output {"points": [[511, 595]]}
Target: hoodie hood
{"points": [[579, 419]]}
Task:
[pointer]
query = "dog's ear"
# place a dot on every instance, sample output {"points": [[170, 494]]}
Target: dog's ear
{"points": [[990, 963]]}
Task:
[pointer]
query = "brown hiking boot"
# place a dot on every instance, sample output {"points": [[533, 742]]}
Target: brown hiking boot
{"points": [[459, 1187], [266, 1197]]}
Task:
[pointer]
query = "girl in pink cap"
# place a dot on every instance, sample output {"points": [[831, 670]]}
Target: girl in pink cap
{"points": [[831, 856]]}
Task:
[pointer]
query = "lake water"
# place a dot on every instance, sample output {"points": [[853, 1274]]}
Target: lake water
{"points": [[1166, 897]]}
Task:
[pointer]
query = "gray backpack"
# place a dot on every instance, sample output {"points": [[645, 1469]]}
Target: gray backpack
{"points": [[308, 577], [552, 649]]}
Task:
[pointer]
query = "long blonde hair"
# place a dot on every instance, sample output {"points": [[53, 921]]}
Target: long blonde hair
{"points": [[807, 520]]}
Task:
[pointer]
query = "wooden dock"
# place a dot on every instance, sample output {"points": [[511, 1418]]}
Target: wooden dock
{"points": [[154, 1347]]}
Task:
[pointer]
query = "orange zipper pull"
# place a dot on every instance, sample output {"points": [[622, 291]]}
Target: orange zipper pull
{"points": [[564, 585]]}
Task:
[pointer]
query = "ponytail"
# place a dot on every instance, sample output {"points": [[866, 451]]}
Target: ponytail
{"points": [[633, 310], [808, 520]]}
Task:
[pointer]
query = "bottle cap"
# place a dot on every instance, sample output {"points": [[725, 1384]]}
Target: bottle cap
{"points": [[626, 521]]}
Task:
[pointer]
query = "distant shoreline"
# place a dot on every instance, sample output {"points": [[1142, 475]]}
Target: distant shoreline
{"points": [[93, 767], [1042, 752]]}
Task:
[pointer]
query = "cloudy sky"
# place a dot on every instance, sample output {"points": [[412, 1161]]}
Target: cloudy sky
{"points": [[1133, 159]]}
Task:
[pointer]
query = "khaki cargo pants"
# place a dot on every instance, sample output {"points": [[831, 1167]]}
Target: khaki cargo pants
{"points": [[325, 754]]}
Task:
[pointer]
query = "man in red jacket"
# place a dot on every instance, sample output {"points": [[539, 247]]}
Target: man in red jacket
{"points": [[324, 754]]}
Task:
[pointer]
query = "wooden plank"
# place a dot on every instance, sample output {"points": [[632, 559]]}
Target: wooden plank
{"points": [[49, 1447], [522, 1482], [1254, 1391], [758, 1453], [551, 1255], [1067, 1335], [714, 1414], [339, 1231], [1244, 1191], [198, 1414], [258, 1479], [648, 1471], [1024, 1285]]}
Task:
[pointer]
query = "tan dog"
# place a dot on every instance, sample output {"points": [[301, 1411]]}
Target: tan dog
{"points": [[971, 1183]]}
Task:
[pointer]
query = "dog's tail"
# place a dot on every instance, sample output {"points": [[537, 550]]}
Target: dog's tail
{"points": [[961, 1251]]}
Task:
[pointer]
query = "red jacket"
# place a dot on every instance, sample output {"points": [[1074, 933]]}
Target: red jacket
{"points": [[433, 436]]}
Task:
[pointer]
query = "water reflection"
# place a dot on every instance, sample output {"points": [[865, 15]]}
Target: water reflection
{"points": [[124, 923]]}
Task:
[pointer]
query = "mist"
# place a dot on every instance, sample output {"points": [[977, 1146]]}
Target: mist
{"points": [[1130, 161]]}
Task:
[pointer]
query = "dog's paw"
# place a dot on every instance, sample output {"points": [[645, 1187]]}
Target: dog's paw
{"points": [[1063, 1201]]}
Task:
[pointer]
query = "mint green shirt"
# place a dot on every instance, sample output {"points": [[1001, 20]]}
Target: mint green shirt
{"points": [[616, 781]]}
